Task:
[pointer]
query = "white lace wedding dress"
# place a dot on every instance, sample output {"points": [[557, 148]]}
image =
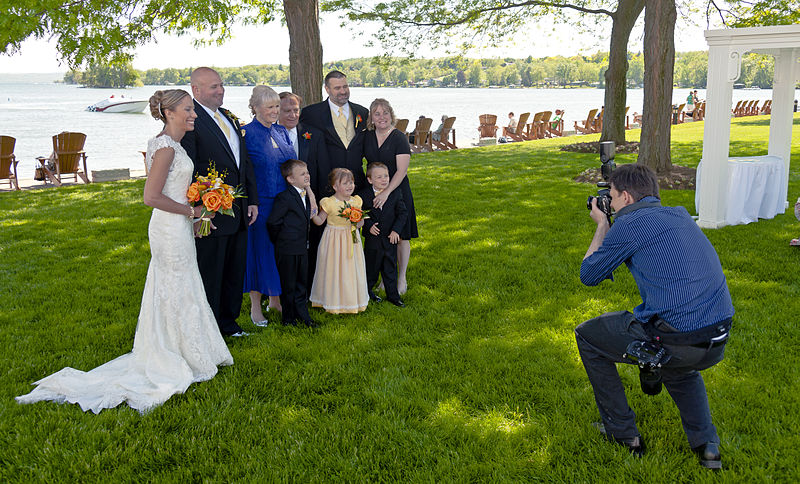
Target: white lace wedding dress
{"points": [[177, 341]]}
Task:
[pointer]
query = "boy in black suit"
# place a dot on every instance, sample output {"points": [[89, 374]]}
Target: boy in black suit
{"points": [[288, 225], [382, 233]]}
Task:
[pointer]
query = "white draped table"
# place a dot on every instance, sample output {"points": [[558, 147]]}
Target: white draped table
{"points": [[755, 188]]}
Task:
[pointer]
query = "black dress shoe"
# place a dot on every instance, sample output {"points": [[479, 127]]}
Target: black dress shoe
{"points": [[635, 445], [311, 323], [374, 297], [289, 323], [397, 302], [709, 456]]}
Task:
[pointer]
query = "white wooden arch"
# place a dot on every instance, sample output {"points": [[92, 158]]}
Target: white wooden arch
{"points": [[725, 50]]}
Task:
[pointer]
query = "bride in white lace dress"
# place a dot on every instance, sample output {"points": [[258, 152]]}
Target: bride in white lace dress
{"points": [[177, 340]]}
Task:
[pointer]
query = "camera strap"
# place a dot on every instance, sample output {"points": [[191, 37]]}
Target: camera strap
{"points": [[703, 335]]}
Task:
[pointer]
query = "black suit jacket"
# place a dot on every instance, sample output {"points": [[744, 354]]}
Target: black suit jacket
{"points": [[319, 116], [207, 143], [312, 149], [392, 217], [289, 222]]}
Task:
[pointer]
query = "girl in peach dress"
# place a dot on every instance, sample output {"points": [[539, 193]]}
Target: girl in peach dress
{"points": [[340, 281]]}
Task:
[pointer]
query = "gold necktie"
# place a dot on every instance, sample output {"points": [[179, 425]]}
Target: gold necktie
{"points": [[222, 125], [340, 124], [302, 194]]}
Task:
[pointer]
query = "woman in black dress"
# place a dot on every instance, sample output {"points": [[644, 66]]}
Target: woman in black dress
{"points": [[389, 146]]}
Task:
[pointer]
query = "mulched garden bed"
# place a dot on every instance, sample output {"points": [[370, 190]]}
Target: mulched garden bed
{"points": [[680, 178], [594, 147]]}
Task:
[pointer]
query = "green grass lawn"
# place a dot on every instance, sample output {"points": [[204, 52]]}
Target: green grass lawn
{"points": [[477, 380]]}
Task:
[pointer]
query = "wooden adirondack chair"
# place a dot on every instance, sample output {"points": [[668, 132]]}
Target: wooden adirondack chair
{"points": [[402, 125], [556, 128], [766, 108], [700, 111], [541, 128], [443, 143], [422, 136], [627, 118], [681, 114], [8, 162], [587, 127], [519, 134], [488, 126], [753, 109], [741, 106], [597, 124], [67, 155]]}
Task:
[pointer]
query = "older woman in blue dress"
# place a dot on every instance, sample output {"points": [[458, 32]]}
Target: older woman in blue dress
{"points": [[269, 146]]}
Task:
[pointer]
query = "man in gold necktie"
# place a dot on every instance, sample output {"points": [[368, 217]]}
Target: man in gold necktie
{"points": [[221, 255], [343, 123]]}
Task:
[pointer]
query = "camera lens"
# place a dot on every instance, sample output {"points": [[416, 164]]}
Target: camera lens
{"points": [[650, 381]]}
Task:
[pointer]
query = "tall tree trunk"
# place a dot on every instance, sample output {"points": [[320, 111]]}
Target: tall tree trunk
{"points": [[659, 63], [305, 49], [616, 75]]}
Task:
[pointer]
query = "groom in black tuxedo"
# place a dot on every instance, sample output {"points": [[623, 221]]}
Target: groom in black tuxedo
{"points": [[222, 255], [344, 124]]}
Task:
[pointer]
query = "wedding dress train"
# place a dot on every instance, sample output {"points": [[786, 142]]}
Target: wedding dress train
{"points": [[177, 340]]}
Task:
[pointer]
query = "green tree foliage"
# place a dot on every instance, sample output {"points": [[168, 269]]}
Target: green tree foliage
{"points": [[105, 75], [89, 31], [753, 13], [690, 72]]}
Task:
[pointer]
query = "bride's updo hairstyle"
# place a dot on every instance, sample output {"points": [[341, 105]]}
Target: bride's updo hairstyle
{"points": [[163, 101]]}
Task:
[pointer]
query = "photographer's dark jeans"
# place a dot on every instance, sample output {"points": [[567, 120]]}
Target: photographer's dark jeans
{"points": [[603, 340]]}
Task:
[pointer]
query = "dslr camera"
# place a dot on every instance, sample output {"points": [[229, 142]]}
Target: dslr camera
{"points": [[607, 165]]}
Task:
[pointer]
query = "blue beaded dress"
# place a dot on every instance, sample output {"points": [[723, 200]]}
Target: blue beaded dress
{"points": [[268, 147]]}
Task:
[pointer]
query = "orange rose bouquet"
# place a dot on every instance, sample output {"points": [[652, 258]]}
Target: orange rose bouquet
{"points": [[216, 196], [354, 215]]}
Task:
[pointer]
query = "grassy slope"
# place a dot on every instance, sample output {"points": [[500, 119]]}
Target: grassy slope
{"points": [[477, 379]]}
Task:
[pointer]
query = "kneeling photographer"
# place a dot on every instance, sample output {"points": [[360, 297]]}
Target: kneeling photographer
{"points": [[680, 327]]}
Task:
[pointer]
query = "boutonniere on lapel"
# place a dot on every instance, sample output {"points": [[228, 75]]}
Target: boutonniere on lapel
{"points": [[307, 135], [358, 119], [232, 117]]}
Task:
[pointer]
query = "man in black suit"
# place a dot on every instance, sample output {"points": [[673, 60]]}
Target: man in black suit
{"points": [[217, 139], [310, 147], [344, 124], [288, 225], [382, 233]]}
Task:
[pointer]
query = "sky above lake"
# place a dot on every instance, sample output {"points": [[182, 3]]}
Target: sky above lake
{"points": [[269, 44]]}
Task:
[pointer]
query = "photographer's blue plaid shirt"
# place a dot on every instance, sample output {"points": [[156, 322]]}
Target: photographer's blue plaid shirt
{"points": [[675, 266]]}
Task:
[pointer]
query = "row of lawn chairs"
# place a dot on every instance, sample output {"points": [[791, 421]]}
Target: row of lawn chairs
{"points": [[422, 138], [538, 127], [65, 160], [751, 108], [594, 121]]}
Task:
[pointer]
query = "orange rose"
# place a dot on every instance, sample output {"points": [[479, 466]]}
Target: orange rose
{"points": [[346, 212], [194, 192], [355, 214], [227, 201], [212, 201]]}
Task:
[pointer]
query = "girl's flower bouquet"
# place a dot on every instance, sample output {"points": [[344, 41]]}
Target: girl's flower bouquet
{"points": [[354, 215], [216, 195]]}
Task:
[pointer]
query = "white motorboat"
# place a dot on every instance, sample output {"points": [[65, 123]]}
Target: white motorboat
{"points": [[118, 104]]}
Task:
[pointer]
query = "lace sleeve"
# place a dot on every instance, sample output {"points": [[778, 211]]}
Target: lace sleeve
{"points": [[154, 145]]}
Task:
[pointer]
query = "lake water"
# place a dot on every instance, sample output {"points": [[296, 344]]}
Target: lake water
{"points": [[32, 112]]}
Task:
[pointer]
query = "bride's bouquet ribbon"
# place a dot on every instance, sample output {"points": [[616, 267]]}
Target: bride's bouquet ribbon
{"points": [[216, 197]]}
